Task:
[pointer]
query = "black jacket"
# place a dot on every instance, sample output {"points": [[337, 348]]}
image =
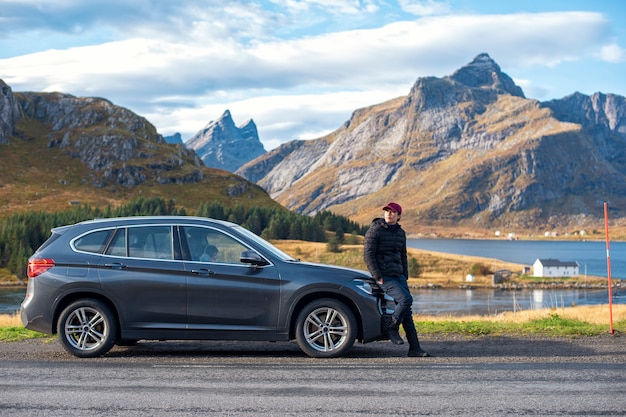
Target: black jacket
{"points": [[385, 250]]}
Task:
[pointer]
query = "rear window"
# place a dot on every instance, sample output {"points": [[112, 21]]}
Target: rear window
{"points": [[94, 242], [51, 239]]}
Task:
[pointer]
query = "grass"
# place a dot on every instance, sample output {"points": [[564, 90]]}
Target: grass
{"points": [[561, 322], [12, 330]]}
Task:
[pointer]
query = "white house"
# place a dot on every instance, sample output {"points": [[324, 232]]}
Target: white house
{"points": [[555, 268]]}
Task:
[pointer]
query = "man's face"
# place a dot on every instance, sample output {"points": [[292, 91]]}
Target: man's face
{"points": [[391, 217]]}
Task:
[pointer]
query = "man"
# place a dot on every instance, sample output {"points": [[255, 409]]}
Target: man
{"points": [[386, 258]]}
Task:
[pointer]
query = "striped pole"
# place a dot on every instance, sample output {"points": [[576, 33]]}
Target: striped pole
{"points": [[608, 264]]}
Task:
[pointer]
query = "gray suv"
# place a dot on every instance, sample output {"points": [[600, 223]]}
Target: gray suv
{"points": [[115, 281]]}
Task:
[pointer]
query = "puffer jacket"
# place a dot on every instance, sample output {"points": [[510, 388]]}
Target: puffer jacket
{"points": [[385, 250]]}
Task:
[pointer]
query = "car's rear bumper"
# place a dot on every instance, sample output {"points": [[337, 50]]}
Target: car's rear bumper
{"points": [[35, 322]]}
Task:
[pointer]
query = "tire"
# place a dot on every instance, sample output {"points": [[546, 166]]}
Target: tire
{"points": [[325, 328], [87, 328]]}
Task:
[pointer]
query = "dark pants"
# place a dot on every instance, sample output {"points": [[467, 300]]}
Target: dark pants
{"points": [[398, 289]]}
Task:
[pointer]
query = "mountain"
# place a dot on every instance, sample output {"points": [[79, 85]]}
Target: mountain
{"points": [[57, 149], [9, 112], [223, 145], [463, 150], [175, 139]]}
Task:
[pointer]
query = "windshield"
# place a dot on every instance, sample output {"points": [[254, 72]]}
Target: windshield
{"points": [[264, 244]]}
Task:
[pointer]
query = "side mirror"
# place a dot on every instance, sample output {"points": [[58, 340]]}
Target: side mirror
{"points": [[253, 258]]}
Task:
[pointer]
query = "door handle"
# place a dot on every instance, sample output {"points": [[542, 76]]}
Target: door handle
{"points": [[115, 265], [203, 272]]}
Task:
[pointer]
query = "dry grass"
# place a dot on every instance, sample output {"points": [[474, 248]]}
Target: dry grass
{"points": [[10, 320], [7, 278], [597, 314]]}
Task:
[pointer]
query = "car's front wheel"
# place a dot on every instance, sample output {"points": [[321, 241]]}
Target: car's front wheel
{"points": [[325, 328], [87, 328]]}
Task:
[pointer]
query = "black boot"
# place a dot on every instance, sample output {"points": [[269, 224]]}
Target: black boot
{"points": [[415, 350], [394, 334]]}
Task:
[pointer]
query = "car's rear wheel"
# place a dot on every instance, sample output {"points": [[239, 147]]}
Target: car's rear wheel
{"points": [[325, 328], [87, 328]]}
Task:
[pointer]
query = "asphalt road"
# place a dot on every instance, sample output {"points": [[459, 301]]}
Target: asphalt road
{"points": [[479, 376]]}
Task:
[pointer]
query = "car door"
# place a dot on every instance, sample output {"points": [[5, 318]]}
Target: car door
{"points": [[225, 295], [140, 272]]}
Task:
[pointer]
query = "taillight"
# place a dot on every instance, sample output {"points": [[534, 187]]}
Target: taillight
{"points": [[38, 266]]}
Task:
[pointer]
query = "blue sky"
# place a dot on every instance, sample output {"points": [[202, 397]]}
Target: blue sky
{"points": [[299, 68]]}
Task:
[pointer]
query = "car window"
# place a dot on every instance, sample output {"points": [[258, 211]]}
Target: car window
{"points": [[117, 247], [94, 242], [264, 244], [153, 242], [211, 245]]}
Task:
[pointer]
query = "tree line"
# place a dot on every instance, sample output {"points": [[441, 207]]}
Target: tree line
{"points": [[22, 233]]}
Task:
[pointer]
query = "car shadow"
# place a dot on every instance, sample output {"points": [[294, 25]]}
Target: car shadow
{"points": [[449, 347], [508, 347], [197, 349]]}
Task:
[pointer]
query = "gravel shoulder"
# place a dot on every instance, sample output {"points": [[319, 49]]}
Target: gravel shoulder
{"points": [[605, 348]]}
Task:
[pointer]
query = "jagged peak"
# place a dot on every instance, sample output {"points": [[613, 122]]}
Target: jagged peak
{"points": [[224, 120], [248, 123], [249, 130], [484, 60], [219, 144], [483, 71]]}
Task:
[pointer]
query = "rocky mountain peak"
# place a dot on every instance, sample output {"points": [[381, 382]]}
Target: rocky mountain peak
{"points": [[9, 112], [220, 129], [223, 145], [117, 145], [466, 149], [248, 129], [605, 110], [175, 139], [484, 72]]}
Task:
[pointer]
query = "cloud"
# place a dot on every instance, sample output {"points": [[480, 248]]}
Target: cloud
{"points": [[424, 7], [411, 48], [181, 65], [612, 53], [339, 7], [191, 21]]}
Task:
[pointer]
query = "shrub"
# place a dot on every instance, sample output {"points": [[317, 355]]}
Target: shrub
{"points": [[333, 245], [480, 269], [415, 269]]}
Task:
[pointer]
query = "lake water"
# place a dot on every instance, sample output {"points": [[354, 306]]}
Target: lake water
{"points": [[461, 302], [591, 256], [10, 299]]}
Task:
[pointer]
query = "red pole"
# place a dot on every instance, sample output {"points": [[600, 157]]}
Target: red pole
{"points": [[608, 264]]}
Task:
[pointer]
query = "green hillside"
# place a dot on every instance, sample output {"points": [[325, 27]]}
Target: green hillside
{"points": [[37, 177]]}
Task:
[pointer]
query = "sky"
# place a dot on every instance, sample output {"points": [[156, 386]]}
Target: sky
{"points": [[299, 68]]}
